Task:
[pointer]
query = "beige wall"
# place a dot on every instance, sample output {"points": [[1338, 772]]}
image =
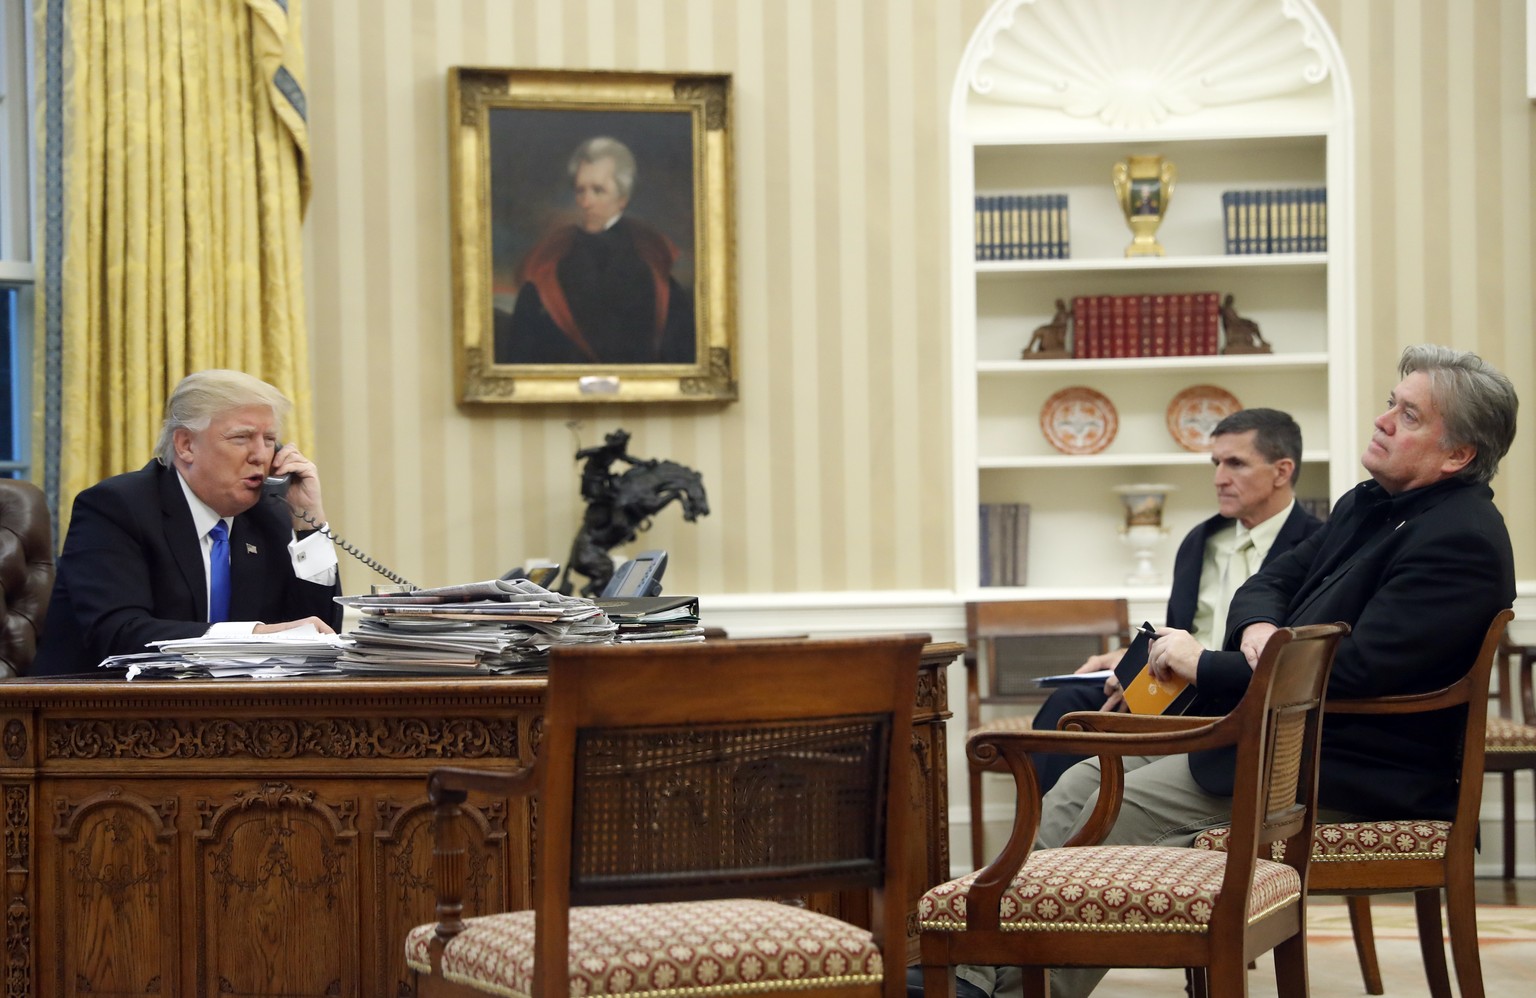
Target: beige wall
{"points": [[831, 472]]}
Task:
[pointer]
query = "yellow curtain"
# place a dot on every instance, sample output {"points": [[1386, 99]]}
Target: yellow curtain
{"points": [[175, 168]]}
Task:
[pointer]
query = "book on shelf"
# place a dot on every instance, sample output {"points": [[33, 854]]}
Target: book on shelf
{"points": [[1004, 540], [1021, 227], [1158, 325], [1282, 220], [1318, 506]]}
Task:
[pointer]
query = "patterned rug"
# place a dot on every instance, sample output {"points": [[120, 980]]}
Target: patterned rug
{"points": [[1507, 945]]}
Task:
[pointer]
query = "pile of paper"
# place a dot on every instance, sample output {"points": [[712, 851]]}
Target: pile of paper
{"points": [[297, 652], [499, 626]]}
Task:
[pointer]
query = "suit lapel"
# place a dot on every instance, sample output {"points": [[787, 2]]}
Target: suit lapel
{"points": [[182, 541]]}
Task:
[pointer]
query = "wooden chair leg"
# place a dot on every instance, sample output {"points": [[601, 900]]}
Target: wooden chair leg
{"points": [[1197, 983], [1365, 942], [1461, 913], [1507, 784], [1291, 967], [1432, 942], [978, 830], [1227, 976], [1037, 982]]}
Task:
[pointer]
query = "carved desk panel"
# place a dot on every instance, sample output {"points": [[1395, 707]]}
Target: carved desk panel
{"points": [[258, 838]]}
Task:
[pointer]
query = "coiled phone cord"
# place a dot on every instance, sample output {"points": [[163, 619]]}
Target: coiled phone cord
{"points": [[341, 542]]}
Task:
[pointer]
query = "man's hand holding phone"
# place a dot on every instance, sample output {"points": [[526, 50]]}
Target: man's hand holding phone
{"points": [[303, 486]]}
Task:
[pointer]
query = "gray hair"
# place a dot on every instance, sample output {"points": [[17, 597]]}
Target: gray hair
{"points": [[203, 395], [1477, 403], [603, 147]]}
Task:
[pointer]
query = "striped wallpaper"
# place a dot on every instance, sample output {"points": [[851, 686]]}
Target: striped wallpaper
{"points": [[831, 471]]}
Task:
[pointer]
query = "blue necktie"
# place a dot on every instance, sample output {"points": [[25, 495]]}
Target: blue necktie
{"points": [[218, 574]]}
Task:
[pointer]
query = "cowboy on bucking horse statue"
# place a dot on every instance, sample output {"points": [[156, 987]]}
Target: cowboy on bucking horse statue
{"points": [[621, 505]]}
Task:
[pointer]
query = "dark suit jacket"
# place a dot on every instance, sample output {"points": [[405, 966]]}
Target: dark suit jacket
{"points": [[1184, 597], [1183, 600], [1418, 576], [132, 572]]}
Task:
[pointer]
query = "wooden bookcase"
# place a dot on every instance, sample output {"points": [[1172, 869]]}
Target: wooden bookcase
{"points": [[1037, 109]]}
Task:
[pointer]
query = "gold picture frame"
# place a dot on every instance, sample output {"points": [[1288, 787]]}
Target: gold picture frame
{"points": [[551, 302]]}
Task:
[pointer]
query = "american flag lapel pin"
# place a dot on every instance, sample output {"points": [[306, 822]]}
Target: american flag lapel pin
{"points": [[250, 549]]}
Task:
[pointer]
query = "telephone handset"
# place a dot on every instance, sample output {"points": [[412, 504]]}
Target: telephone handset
{"points": [[275, 487]]}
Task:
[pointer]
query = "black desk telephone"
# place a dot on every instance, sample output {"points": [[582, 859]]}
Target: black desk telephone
{"points": [[275, 488]]}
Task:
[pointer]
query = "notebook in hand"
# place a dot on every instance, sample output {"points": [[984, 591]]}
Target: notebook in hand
{"points": [[1144, 694]]}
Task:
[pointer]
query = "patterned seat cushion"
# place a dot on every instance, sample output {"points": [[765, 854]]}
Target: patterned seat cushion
{"points": [[1112, 889], [705, 947], [1505, 735], [1348, 840]]}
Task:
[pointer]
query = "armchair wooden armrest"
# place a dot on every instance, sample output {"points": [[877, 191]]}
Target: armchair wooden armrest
{"points": [[447, 788], [1013, 748], [451, 784], [1105, 720], [1408, 703]]}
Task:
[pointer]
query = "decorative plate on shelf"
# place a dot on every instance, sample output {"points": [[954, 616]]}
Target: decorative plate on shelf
{"points": [[1079, 420], [1194, 413]]}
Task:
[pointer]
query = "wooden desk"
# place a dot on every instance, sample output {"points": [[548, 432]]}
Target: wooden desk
{"points": [[257, 838]]}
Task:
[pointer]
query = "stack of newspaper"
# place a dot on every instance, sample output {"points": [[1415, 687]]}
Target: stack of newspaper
{"points": [[499, 626]]}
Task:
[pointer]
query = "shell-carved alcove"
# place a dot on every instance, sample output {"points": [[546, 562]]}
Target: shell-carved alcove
{"points": [[1142, 65]]}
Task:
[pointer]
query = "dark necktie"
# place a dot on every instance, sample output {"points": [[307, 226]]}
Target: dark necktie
{"points": [[218, 574]]}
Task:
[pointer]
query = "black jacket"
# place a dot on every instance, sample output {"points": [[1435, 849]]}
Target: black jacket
{"points": [[132, 572], [1418, 576]]}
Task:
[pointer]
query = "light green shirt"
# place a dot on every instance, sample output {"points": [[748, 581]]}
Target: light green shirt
{"points": [[1210, 608]]}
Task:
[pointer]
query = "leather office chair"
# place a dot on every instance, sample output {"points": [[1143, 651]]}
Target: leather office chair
{"points": [[26, 572], [1008, 644], [1089, 905], [671, 783], [1358, 859], [1511, 743]]}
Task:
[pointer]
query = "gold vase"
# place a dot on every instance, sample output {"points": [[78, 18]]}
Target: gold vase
{"points": [[1144, 185]]}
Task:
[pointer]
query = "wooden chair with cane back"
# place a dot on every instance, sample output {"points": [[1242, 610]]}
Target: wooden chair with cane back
{"points": [[1088, 905], [1358, 859], [680, 790]]}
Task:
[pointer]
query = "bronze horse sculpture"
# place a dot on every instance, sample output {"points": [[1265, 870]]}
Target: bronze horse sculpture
{"points": [[619, 506]]}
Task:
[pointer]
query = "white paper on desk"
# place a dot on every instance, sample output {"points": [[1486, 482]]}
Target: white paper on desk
{"points": [[300, 641], [1074, 678]]}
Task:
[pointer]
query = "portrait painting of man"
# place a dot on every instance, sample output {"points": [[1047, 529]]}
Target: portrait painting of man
{"points": [[592, 237]]}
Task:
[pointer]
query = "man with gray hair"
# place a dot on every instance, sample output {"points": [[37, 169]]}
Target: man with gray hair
{"points": [[185, 546], [599, 291], [1417, 561]]}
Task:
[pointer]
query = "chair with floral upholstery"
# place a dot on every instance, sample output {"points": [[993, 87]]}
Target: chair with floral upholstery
{"points": [[679, 790], [1087, 905], [1358, 859]]}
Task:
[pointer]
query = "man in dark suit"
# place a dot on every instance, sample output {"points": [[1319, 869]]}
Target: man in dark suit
{"points": [[139, 562], [1417, 561], [1256, 456]]}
